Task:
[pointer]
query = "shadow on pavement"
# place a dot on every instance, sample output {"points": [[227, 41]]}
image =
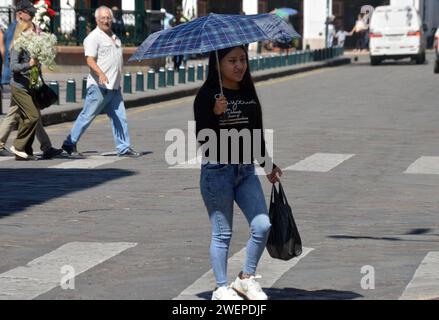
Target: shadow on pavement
{"points": [[299, 294], [23, 188], [413, 232]]}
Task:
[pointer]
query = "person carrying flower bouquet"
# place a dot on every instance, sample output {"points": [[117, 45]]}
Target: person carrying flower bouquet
{"points": [[12, 117], [26, 75]]}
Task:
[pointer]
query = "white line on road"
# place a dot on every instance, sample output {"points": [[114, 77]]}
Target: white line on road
{"points": [[320, 162], [6, 158], [87, 163], [424, 165], [270, 269], [425, 282], [44, 273]]}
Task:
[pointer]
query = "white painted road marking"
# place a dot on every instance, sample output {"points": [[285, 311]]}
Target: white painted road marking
{"points": [[44, 273], [425, 282], [6, 158], [320, 162], [424, 165], [270, 269], [87, 163]]}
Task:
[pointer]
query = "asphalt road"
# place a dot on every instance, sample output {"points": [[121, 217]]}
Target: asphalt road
{"points": [[364, 211]]}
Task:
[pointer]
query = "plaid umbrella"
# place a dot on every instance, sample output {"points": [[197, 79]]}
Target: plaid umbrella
{"points": [[212, 33]]}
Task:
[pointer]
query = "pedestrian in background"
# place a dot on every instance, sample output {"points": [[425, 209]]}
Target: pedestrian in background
{"points": [[331, 32], [341, 37], [224, 181], [359, 31], [23, 13], [118, 23], [104, 56], [21, 64], [178, 19]]}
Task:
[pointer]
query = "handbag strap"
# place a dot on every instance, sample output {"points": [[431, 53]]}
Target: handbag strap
{"points": [[274, 194], [282, 195]]}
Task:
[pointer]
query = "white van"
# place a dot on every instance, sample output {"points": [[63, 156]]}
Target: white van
{"points": [[396, 33]]}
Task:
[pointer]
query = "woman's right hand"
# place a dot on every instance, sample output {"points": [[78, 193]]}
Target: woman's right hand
{"points": [[33, 62], [220, 105]]}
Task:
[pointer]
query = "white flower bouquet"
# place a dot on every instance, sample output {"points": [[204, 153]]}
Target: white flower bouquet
{"points": [[40, 46], [42, 19]]}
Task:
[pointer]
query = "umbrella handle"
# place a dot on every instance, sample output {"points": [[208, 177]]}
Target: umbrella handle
{"points": [[219, 72]]}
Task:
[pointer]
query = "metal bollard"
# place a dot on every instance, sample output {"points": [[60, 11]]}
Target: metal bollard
{"points": [[162, 78], [127, 83], [54, 85], [191, 73], [261, 63], [284, 60], [71, 91], [200, 72], [267, 62], [171, 77], [151, 79], [255, 64], [84, 88], [182, 75], [140, 81]]}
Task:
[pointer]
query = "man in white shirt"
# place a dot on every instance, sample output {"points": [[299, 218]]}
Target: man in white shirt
{"points": [[104, 55]]}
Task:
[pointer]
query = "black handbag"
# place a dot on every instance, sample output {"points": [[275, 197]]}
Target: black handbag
{"points": [[43, 97], [284, 240]]}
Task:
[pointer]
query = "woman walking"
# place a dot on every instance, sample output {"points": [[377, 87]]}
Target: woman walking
{"points": [[228, 173], [21, 65]]}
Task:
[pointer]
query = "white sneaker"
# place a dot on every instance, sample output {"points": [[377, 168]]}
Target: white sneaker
{"points": [[225, 293], [21, 154], [249, 288]]}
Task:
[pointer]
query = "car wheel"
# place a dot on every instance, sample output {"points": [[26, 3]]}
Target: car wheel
{"points": [[420, 59], [374, 61]]}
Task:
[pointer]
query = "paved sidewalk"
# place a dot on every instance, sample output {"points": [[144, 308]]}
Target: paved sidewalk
{"points": [[69, 111]]}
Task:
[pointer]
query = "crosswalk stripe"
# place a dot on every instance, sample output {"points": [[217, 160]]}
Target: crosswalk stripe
{"points": [[44, 273], [87, 163], [425, 282], [271, 269], [424, 165], [320, 162]]}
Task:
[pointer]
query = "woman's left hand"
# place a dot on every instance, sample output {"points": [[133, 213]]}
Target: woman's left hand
{"points": [[275, 175]]}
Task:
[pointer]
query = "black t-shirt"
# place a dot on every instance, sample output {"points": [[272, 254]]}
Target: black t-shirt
{"points": [[239, 131]]}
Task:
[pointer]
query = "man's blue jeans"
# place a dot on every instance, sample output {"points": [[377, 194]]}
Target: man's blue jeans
{"points": [[100, 99], [221, 185]]}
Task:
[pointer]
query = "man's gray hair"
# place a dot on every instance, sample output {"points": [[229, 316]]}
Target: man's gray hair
{"points": [[98, 10]]}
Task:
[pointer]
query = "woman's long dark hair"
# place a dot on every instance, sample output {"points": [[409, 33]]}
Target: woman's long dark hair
{"points": [[247, 84]]}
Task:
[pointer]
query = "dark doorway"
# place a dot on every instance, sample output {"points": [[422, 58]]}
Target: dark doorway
{"points": [[227, 7], [109, 3]]}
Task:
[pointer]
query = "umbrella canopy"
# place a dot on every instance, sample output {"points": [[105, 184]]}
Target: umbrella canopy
{"points": [[284, 13], [212, 33]]}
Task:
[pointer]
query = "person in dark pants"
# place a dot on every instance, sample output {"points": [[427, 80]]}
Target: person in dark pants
{"points": [[178, 19], [13, 117], [21, 64]]}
